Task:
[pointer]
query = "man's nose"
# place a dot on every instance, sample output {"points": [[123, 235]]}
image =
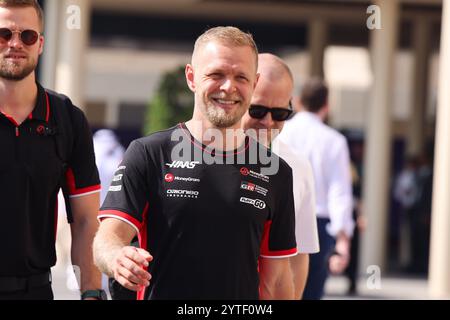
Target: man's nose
{"points": [[228, 86], [267, 121], [15, 41]]}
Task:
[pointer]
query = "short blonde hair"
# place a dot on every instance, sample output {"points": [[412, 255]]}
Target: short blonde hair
{"points": [[227, 35], [23, 4]]}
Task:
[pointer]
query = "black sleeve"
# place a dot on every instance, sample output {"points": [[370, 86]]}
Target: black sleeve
{"points": [[279, 233], [82, 174], [127, 198]]}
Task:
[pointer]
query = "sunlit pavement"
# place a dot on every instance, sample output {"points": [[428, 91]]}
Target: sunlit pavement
{"points": [[389, 287], [336, 288]]}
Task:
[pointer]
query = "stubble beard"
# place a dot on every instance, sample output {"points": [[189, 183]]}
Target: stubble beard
{"points": [[15, 72], [220, 118]]}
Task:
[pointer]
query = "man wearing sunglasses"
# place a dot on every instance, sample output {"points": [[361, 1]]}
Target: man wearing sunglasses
{"points": [[33, 167], [269, 110], [328, 153]]}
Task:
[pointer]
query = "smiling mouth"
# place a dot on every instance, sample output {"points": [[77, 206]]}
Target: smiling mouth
{"points": [[15, 57], [225, 103]]}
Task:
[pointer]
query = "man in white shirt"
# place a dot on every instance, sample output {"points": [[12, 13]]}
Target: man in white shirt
{"points": [[328, 153], [269, 109]]}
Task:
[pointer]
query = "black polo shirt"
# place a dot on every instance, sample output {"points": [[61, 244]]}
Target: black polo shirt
{"points": [[206, 224], [30, 177]]}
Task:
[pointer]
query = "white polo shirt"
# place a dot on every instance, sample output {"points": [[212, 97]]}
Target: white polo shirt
{"points": [[328, 153], [304, 198]]}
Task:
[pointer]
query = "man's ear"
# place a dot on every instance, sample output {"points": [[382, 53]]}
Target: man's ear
{"points": [[41, 44], [256, 80], [189, 72]]}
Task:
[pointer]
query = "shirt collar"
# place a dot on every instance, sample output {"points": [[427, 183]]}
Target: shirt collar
{"points": [[41, 110], [310, 115]]}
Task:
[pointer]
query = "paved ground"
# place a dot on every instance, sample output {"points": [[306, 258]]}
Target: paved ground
{"points": [[390, 288], [399, 287], [387, 287]]}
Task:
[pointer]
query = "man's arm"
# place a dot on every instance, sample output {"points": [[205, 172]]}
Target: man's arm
{"points": [[340, 205], [117, 259], [299, 266], [275, 279], [340, 259], [83, 229]]}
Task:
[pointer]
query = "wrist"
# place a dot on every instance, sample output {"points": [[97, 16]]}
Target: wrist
{"points": [[97, 294]]}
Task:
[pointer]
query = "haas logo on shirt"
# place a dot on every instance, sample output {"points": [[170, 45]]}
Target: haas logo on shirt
{"points": [[183, 164]]}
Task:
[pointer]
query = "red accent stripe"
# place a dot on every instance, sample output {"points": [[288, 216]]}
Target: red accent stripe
{"points": [[123, 215], [142, 236], [30, 116], [10, 118], [200, 146], [48, 107], [73, 191], [70, 178], [265, 251], [86, 190]]}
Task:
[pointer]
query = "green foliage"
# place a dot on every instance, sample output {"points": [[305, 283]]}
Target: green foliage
{"points": [[173, 103]]}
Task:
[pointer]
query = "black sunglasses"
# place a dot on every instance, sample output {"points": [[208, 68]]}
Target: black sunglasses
{"points": [[278, 114], [28, 37]]}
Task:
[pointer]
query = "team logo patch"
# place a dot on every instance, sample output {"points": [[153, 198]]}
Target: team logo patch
{"points": [[117, 177], [254, 188], [182, 164], [40, 130], [169, 177], [246, 172], [259, 204], [175, 193], [248, 186]]}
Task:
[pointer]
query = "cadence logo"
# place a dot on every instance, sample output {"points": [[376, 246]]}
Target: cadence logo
{"points": [[182, 193], [255, 202], [169, 177], [183, 164]]}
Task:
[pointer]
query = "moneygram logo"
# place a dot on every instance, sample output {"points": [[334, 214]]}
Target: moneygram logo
{"points": [[259, 204], [182, 164], [169, 177]]}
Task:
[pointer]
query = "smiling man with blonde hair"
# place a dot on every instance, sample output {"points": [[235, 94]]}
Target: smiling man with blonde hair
{"points": [[205, 229]]}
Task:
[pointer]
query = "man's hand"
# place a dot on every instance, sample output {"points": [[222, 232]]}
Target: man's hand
{"points": [[340, 259], [129, 266], [116, 258]]}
